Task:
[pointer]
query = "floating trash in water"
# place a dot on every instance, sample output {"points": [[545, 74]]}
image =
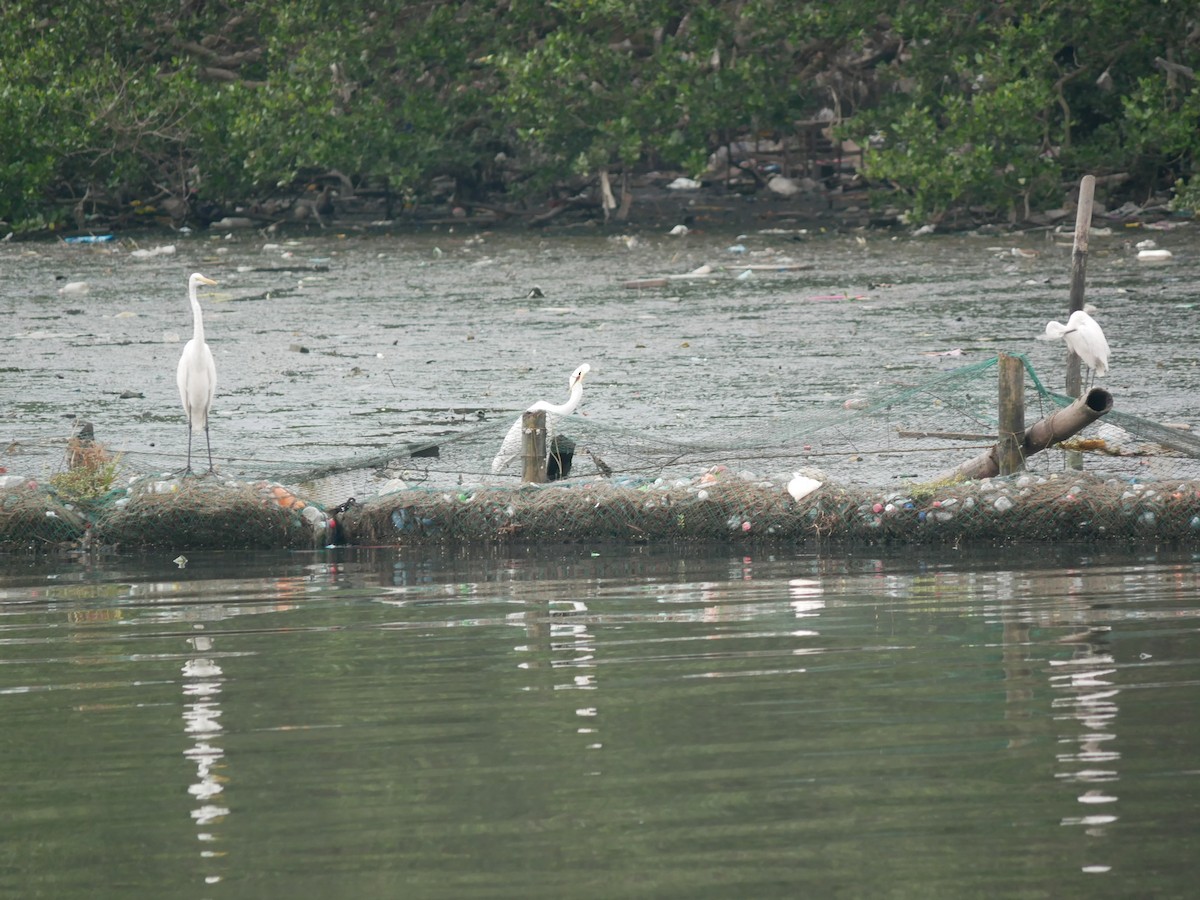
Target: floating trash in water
{"points": [[162, 250], [89, 239]]}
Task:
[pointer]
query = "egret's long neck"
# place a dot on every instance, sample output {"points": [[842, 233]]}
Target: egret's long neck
{"points": [[197, 318], [572, 401]]}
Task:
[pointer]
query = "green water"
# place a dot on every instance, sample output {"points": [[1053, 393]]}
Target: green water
{"points": [[598, 722]]}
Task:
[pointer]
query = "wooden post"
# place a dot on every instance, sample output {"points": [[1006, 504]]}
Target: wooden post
{"points": [[1083, 225], [533, 447], [1010, 449]]}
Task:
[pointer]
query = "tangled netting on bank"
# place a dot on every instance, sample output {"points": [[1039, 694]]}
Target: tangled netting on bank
{"points": [[168, 513], [874, 468]]}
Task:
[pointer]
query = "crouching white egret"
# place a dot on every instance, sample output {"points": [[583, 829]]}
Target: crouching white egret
{"points": [[197, 374], [1084, 338], [510, 449]]}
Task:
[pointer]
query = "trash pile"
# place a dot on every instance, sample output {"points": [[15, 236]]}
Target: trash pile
{"points": [[162, 511], [724, 507]]}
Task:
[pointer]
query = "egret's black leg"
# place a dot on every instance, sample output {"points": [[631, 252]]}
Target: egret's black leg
{"points": [[188, 470], [208, 443]]}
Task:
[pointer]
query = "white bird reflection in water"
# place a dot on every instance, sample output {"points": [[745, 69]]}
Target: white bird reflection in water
{"points": [[1089, 697], [570, 631], [807, 599], [573, 646], [202, 679]]}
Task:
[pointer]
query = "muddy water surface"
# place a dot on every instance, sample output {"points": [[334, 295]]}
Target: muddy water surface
{"points": [[398, 337]]}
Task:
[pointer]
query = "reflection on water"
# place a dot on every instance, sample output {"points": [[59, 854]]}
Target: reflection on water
{"points": [[1089, 703], [599, 723], [201, 723]]}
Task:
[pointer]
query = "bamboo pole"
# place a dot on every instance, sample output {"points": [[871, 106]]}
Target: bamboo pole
{"points": [[1044, 433], [1083, 225], [1060, 425], [533, 447], [1010, 456]]}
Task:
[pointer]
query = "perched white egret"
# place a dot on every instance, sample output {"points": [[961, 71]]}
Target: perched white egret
{"points": [[511, 448], [197, 374], [1084, 338]]}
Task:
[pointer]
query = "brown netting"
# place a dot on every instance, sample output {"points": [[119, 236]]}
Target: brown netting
{"points": [[208, 513], [998, 510], [34, 519]]}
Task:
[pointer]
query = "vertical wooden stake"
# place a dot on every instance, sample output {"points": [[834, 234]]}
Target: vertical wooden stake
{"points": [[1012, 414], [1083, 225], [533, 447]]}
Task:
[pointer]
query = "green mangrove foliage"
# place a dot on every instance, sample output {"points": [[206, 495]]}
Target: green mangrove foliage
{"points": [[1002, 105], [113, 109]]}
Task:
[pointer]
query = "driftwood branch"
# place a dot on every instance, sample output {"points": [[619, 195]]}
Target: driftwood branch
{"points": [[222, 60], [1174, 68]]}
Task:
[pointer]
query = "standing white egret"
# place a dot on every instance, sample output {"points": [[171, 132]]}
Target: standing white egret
{"points": [[1084, 338], [510, 449], [197, 374]]}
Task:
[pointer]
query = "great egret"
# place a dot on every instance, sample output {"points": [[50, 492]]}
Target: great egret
{"points": [[510, 449], [1084, 338], [197, 375]]}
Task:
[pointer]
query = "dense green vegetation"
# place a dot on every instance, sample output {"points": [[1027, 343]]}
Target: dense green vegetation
{"points": [[107, 108]]}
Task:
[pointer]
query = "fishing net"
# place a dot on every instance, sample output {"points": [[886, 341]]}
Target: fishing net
{"points": [[875, 468]]}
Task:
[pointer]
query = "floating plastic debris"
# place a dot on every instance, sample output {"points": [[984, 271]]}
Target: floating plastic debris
{"points": [[162, 250], [801, 486]]}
